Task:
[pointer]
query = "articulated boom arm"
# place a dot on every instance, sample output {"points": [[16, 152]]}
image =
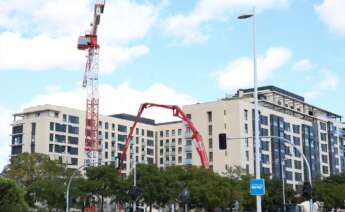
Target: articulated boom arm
{"points": [[177, 111]]}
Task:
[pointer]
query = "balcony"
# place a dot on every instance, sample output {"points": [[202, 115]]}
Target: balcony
{"points": [[188, 148]]}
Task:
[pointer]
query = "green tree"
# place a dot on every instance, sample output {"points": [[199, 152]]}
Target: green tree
{"points": [[102, 182], [43, 179], [11, 196]]}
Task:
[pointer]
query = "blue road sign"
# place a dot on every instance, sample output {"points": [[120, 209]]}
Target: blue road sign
{"points": [[257, 187]]}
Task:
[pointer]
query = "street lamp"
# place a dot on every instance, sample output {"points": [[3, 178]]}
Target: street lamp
{"points": [[256, 112]]}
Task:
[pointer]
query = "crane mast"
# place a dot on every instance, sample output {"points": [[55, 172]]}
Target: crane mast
{"points": [[89, 43]]}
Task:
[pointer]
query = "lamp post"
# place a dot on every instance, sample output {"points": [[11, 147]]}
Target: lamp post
{"points": [[256, 112]]}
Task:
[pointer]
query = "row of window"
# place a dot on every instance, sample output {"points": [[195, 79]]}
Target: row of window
{"points": [[63, 127], [62, 138], [62, 149], [167, 133]]}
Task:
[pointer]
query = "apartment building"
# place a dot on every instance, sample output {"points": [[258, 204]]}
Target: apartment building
{"points": [[59, 132], [317, 132]]}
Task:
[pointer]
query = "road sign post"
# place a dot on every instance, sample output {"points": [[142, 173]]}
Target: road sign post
{"points": [[257, 187]]}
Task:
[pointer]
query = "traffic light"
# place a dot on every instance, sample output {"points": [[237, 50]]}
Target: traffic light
{"points": [[222, 140], [307, 190]]}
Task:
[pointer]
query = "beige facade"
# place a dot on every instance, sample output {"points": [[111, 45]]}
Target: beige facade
{"points": [[318, 133]]}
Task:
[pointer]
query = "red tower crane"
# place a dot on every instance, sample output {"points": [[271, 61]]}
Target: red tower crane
{"points": [[90, 82], [178, 112]]}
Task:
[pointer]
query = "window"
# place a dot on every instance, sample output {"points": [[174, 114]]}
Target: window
{"points": [[121, 128], [113, 127], [106, 145], [189, 116], [19, 129], [297, 141], [296, 129], [180, 150], [296, 153], [264, 132], [288, 175], [298, 176], [64, 118], [73, 130], [246, 115], [179, 132], [150, 133], [59, 149], [210, 143], [287, 126], [51, 137], [180, 159], [73, 140], [73, 119], [120, 147], [247, 155], [166, 133], [263, 120], [173, 132], [298, 164], [288, 163], [265, 170], [51, 147], [324, 147], [51, 126], [161, 161], [265, 159], [264, 145], [121, 137], [287, 137], [246, 128], [150, 142], [324, 159], [100, 124], [106, 135], [210, 156], [161, 142], [106, 125], [180, 141], [210, 129], [60, 127], [209, 116], [189, 155], [189, 142], [142, 132], [325, 169], [60, 138], [161, 133], [323, 137], [149, 151], [322, 126], [106, 155], [74, 161], [72, 150]]}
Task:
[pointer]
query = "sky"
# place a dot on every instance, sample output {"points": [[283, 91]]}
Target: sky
{"points": [[168, 51]]}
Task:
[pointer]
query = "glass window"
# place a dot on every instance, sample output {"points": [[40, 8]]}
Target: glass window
{"points": [[246, 128], [298, 176], [209, 116], [324, 159], [51, 126], [297, 141], [189, 155], [122, 128], [73, 119], [166, 133], [288, 175], [296, 128], [149, 133], [263, 120], [150, 142], [73, 140], [73, 130], [246, 115], [121, 137], [179, 132], [323, 137], [325, 169], [60, 127], [298, 164], [322, 126], [161, 133], [288, 163], [60, 138], [286, 126], [72, 150]]}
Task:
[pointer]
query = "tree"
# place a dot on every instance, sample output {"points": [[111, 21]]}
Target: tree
{"points": [[11, 196], [100, 180], [42, 178]]}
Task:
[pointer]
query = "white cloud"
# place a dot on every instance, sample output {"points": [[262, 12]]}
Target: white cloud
{"points": [[327, 81], [42, 35], [5, 131], [302, 65], [239, 73], [120, 99], [190, 27], [332, 13]]}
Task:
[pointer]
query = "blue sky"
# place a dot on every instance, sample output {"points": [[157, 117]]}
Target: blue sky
{"points": [[170, 51]]}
